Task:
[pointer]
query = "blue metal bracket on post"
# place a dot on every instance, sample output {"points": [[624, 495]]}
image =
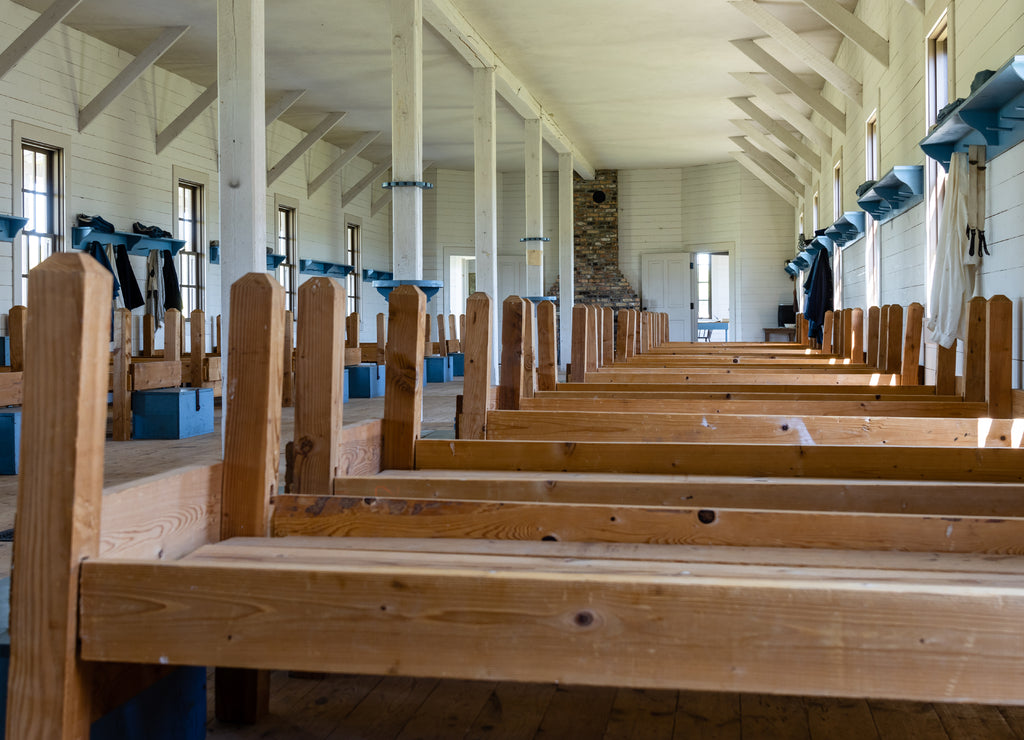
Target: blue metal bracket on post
{"points": [[407, 184], [535, 239]]}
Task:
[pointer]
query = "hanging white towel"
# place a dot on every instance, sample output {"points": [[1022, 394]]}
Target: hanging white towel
{"points": [[155, 287], [951, 283]]}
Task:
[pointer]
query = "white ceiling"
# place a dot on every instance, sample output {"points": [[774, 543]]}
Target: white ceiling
{"points": [[637, 84]]}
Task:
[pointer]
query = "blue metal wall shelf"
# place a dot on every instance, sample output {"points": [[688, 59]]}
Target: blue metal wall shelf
{"points": [[900, 188], [993, 115], [319, 267], [214, 253], [847, 228], [371, 275], [137, 244], [10, 227], [429, 287], [274, 261]]}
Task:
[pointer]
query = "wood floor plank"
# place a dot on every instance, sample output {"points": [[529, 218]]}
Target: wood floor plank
{"points": [[513, 711], [839, 719], [904, 719], [578, 712], [971, 721], [642, 713], [1014, 717], [702, 715], [386, 709], [777, 717], [332, 699], [449, 711]]}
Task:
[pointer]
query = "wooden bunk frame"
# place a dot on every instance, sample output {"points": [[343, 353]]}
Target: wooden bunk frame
{"points": [[179, 571]]}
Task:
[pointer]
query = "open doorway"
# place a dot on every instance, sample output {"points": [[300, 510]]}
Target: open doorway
{"points": [[461, 281], [713, 297]]}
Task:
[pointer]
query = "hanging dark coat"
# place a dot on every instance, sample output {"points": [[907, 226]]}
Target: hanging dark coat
{"points": [[818, 289]]}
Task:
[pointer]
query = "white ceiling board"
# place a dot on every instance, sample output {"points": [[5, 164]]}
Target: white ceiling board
{"points": [[638, 84]]}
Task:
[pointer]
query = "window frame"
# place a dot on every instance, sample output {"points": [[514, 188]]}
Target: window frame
{"points": [[939, 37], [354, 257], [288, 272], [199, 183], [872, 251]]}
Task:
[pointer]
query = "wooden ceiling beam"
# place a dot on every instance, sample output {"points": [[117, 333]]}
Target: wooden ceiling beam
{"points": [[852, 28], [766, 143], [336, 166], [32, 35], [792, 82], [191, 113], [776, 129], [276, 109], [755, 169], [328, 122], [775, 101], [769, 164], [349, 195]]}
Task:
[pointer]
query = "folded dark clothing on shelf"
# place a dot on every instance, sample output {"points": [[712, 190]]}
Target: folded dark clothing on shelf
{"points": [[96, 223], [154, 232]]}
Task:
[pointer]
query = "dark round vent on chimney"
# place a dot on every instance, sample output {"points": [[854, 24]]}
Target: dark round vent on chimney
{"points": [[599, 196]]}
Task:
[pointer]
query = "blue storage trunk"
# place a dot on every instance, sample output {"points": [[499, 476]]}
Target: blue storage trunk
{"points": [[458, 364], [438, 369], [172, 413], [366, 380], [10, 441]]}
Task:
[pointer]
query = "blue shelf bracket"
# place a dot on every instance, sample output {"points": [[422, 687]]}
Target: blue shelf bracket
{"points": [[137, 244], [535, 239], [320, 267], [847, 228], [371, 275], [899, 189], [407, 184], [10, 227], [274, 261], [429, 287]]}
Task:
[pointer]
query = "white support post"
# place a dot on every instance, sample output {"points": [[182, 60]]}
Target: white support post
{"points": [[407, 137], [179, 124], [566, 255], [32, 35], [532, 145], [243, 147], [129, 74], [486, 197], [338, 164]]}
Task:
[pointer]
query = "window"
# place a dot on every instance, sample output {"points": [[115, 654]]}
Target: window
{"points": [[189, 226], [286, 246], [814, 210], [42, 205], [837, 190], [872, 258], [352, 281], [937, 95], [703, 264], [837, 252]]}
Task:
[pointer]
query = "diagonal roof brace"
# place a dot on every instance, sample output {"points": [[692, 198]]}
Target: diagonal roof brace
{"points": [[852, 28], [842, 80], [822, 140], [32, 35], [776, 129], [129, 74], [768, 163], [766, 143], [179, 124], [326, 124], [336, 166], [792, 82], [276, 109], [349, 195], [764, 176]]}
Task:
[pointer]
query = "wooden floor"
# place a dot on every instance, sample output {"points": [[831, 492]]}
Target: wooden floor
{"points": [[371, 707]]}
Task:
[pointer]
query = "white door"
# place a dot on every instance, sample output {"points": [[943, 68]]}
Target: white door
{"points": [[668, 287], [511, 281]]}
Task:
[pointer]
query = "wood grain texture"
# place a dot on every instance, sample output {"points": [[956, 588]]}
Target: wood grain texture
{"points": [[319, 385], [477, 365], [16, 327], [547, 349], [996, 465], [157, 374], [403, 382], [580, 342], [912, 345], [622, 335], [945, 371], [510, 387], [121, 380], [848, 329], [737, 389], [883, 337], [197, 348], [857, 329], [752, 376], [362, 447], [975, 353], [442, 339], [454, 335], [999, 357], [529, 357], [288, 361], [162, 517], [593, 339], [781, 404], [872, 626], [871, 342], [148, 335], [352, 330], [607, 335], [11, 388], [826, 332], [58, 513], [172, 335], [382, 338], [894, 336]]}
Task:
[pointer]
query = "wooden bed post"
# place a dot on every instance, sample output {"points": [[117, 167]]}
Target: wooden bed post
{"points": [[580, 342], [455, 336], [945, 370], [631, 333], [403, 380], [622, 335], [826, 332], [476, 343], [288, 358], [252, 450], [428, 348], [442, 340], [894, 337], [16, 319], [172, 335], [352, 330], [857, 331], [608, 326], [848, 333], [974, 354], [319, 385], [883, 337], [529, 363], [874, 313], [382, 338], [510, 386], [999, 365], [65, 415], [148, 335], [593, 339], [912, 345], [462, 327], [597, 339], [121, 384], [547, 349], [218, 348], [197, 328]]}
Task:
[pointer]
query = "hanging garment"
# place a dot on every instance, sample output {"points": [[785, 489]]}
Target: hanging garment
{"points": [[819, 288], [126, 276], [108, 251], [950, 279], [155, 287], [976, 243], [100, 254], [172, 288]]}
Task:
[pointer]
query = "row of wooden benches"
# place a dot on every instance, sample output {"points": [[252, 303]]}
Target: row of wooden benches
{"points": [[862, 568]]}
